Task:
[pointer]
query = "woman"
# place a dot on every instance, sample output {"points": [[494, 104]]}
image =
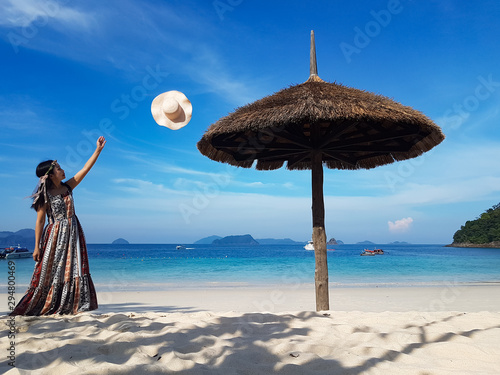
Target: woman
{"points": [[61, 282]]}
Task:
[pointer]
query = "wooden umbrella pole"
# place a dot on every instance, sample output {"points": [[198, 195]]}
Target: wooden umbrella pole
{"points": [[319, 234], [318, 204], [313, 66]]}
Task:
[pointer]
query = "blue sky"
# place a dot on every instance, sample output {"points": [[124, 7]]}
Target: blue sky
{"points": [[72, 71]]}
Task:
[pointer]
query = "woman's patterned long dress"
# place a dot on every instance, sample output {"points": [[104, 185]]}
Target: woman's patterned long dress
{"points": [[61, 282]]}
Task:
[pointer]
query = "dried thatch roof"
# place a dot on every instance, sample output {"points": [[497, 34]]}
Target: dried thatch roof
{"points": [[353, 129]]}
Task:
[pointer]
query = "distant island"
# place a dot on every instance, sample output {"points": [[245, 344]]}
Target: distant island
{"points": [[481, 232], [26, 237], [248, 239], [333, 241], [240, 240], [120, 241]]}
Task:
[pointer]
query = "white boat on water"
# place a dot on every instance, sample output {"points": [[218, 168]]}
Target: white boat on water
{"points": [[17, 252], [180, 247], [310, 246]]}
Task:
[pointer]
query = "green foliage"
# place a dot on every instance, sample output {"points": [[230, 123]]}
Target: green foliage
{"points": [[484, 229]]}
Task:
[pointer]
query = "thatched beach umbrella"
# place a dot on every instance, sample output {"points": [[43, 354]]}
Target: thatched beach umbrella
{"points": [[318, 123]]}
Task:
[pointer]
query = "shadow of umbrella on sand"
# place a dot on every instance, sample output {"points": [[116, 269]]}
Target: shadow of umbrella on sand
{"points": [[318, 123]]}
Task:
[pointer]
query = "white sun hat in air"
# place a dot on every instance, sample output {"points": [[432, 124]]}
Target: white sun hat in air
{"points": [[172, 109]]}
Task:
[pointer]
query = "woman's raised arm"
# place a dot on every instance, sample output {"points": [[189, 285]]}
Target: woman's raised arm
{"points": [[74, 181]]}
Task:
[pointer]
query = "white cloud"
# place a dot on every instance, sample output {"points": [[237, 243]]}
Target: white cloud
{"points": [[400, 225], [142, 187], [207, 68], [108, 33], [16, 13], [261, 185], [193, 211]]}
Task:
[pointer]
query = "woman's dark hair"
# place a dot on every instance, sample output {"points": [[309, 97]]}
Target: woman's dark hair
{"points": [[43, 167], [41, 170]]}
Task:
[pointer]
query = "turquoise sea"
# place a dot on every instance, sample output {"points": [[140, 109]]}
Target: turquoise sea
{"points": [[153, 267]]}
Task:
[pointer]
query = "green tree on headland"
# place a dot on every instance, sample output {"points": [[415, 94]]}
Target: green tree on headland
{"points": [[485, 229]]}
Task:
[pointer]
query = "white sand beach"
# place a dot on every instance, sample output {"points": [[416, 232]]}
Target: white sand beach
{"points": [[447, 329]]}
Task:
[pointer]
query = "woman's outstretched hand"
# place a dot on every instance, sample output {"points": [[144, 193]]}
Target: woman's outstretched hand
{"points": [[101, 141]]}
